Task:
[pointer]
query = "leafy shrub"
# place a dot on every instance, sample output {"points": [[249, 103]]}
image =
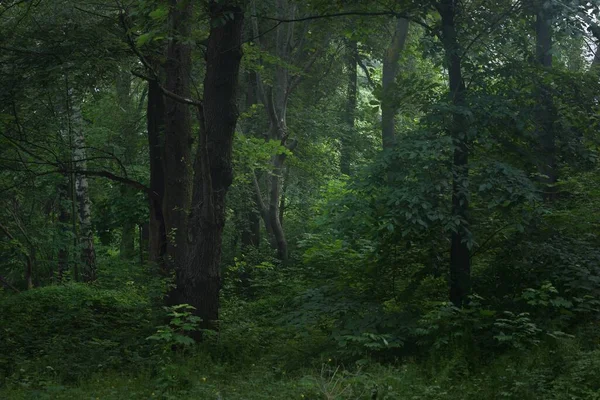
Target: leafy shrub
{"points": [[181, 324], [71, 331]]}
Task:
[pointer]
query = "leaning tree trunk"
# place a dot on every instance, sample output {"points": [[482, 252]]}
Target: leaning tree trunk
{"points": [[544, 112], [251, 212], [199, 279], [460, 257], [390, 71], [84, 212], [275, 100]]}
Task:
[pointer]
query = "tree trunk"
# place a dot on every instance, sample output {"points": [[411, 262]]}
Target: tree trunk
{"points": [[545, 113], [123, 89], [251, 232], [351, 93], [178, 139], [460, 258], [390, 71], [274, 203], [64, 219], [251, 228], [199, 278], [86, 234], [157, 240]]}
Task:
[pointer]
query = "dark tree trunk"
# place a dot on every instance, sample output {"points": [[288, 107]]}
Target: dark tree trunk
{"points": [[460, 258], [127, 248], [251, 233], [144, 235], [545, 113], [157, 235], [199, 278], [178, 156], [390, 71], [64, 221], [351, 92], [123, 90]]}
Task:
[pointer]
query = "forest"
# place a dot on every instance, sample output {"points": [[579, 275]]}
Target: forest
{"points": [[286, 199]]}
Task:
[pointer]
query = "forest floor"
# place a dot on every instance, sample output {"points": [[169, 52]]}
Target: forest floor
{"points": [[197, 377]]}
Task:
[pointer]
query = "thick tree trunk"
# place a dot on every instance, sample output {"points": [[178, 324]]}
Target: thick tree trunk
{"points": [[86, 234], [178, 157], [199, 278], [351, 93], [390, 71], [460, 257], [545, 113], [157, 235]]}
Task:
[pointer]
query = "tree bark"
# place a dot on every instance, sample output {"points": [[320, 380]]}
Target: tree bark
{"points": [[460, 258], [351, 99], [157, 240], [86, 234], [123, 86], [199, 278], [274, 204], [390, 71], [64, 219], [178, 139]]}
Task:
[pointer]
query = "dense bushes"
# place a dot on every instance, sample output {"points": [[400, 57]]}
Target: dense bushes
{"points": [[71, 330]]}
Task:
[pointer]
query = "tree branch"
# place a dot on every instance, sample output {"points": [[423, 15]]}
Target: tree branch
{"points": [[174, 96], [353, 13]]}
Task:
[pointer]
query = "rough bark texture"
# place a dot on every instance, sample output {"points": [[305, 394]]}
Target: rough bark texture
{"points": [[177, 157], [390, 71], [157, 235], [351, 92], [545, 113], [86, 234], [460, 264], [198, 279]]}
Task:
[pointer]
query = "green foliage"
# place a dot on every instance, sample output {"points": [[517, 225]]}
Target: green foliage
{"points": [[176, 334], [70, 331]]}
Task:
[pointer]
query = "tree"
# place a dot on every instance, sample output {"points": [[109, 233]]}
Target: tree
{"points": [[84, 213], [191, 192], [460, 256], [350, 111], [390, 71]]}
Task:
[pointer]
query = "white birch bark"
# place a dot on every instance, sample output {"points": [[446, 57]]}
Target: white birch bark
{"points": [[86, 234]]}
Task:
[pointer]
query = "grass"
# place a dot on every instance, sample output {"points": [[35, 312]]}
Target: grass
{"points": [[536, 376]]}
